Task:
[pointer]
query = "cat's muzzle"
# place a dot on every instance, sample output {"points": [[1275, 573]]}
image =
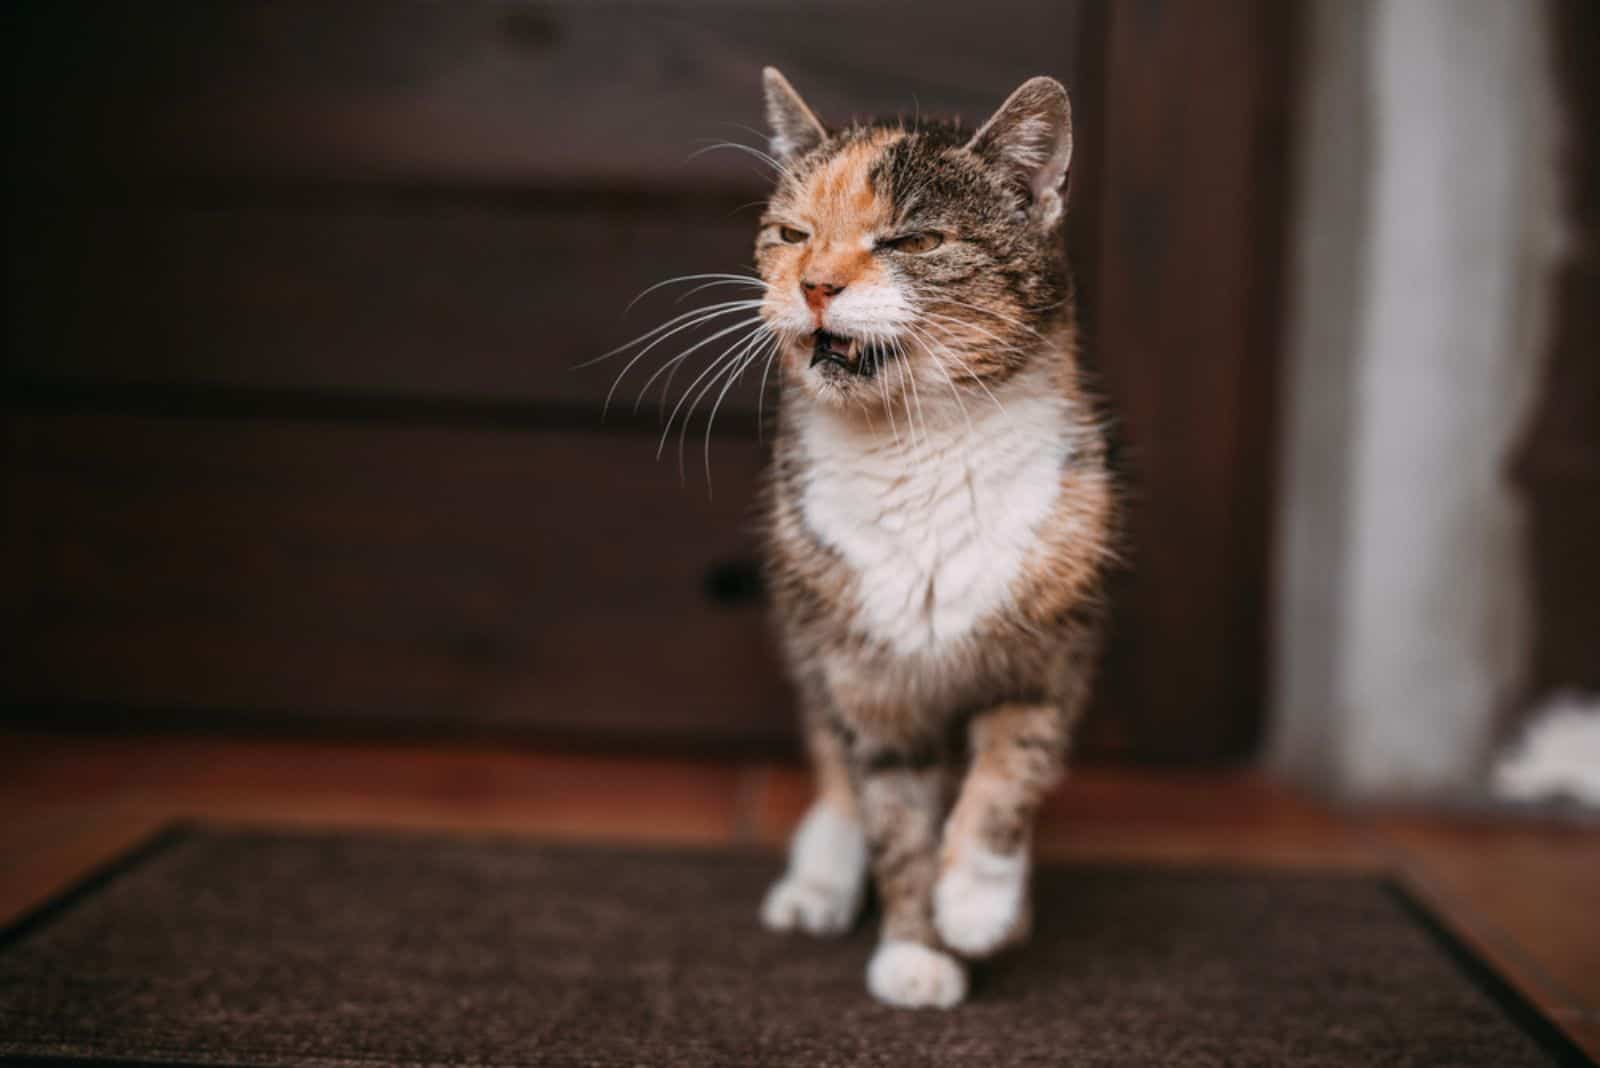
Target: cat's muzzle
{"points": [[847, 354]]}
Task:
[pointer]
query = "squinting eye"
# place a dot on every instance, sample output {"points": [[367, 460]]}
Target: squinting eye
{"points": [[791, 235], [915, 244]]}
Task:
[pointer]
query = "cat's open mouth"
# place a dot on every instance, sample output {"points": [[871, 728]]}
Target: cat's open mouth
{"points": [[849, 354]]}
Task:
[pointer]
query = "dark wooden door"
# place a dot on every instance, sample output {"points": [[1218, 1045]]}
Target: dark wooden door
{"points": [[296, 291]]}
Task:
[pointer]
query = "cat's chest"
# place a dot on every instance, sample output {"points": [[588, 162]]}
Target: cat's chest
{"points": [[937, 533]]}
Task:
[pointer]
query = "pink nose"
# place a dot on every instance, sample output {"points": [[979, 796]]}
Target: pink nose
{"points": [[818, 294]]}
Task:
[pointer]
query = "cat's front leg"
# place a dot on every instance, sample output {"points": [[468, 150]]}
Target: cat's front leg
{"points": [[821, 891], [901, 795], [981, 898]]}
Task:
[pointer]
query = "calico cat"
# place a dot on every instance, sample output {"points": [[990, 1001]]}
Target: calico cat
{"points": [[939, 518], [938, 512]]}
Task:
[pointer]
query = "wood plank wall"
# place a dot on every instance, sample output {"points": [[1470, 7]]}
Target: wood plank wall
{"points": [[295, 292]]}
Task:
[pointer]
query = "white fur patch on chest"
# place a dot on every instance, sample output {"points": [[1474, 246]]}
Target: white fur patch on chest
{"points": [[936, 529]]}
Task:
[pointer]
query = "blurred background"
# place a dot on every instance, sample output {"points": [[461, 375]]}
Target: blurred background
{"points": [[295, 442], [311, 516]]}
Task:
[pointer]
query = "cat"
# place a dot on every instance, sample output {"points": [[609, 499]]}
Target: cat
{"points": [[938, 511], [939, 518]]}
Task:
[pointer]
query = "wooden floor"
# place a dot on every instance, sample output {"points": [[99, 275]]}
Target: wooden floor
{"points": [[1524, 894]]}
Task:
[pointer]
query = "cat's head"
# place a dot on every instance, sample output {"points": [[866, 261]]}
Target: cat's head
{"points": [[913, 257]]}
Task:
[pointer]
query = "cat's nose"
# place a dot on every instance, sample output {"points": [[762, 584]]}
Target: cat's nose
{"points": [[819, 293]]}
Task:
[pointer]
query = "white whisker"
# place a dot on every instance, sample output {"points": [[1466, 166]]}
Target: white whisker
{"points": [[905, 397], [753, 283], [741, 324], [948, 353], [916, 395], [712, 417], [942, 298], [883, 388], [761, 397], [933, 320], [956, 393], [723, 278], [710, 311], [728, 356], [754, 153]]}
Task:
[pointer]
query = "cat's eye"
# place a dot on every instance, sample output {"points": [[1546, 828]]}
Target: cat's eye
{"points": [[791, 235], [915, 244]]}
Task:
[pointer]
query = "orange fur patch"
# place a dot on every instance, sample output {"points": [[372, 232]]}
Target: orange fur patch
{"points": [[845, 212]]}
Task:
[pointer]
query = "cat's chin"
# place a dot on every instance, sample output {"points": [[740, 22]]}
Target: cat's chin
{"points": [[839, 390], [842, 373]]}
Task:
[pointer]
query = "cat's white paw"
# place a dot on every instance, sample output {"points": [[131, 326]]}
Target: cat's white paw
{"points": [[910, 975], [822, 891], [793, 904], [980, 903]]}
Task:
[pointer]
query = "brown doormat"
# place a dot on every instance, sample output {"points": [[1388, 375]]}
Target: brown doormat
{"points": [[253, 948]]}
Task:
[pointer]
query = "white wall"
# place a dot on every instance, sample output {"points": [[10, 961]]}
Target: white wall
{"points": [[1423, 223]]}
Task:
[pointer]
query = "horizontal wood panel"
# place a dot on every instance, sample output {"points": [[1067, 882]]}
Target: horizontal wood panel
{"points": [[552, 582], [514, 92], [406, 215], [393, 296]]}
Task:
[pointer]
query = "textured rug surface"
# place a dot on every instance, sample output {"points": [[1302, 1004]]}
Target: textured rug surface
{"points": [[251, 948]]}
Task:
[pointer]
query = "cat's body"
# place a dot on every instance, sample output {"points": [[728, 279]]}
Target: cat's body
{"points": [[938, 574], [939, 515]]}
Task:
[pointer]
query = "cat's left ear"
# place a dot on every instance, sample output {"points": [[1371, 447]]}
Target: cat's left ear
{"points": [[1030, 138], [796, 129]]}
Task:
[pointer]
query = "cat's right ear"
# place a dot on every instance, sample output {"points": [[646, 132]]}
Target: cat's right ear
{"points": [[795, 127], [1030, 140]]}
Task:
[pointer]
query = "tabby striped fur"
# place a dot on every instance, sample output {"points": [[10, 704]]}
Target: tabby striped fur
{"points": [[939, 518]]}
